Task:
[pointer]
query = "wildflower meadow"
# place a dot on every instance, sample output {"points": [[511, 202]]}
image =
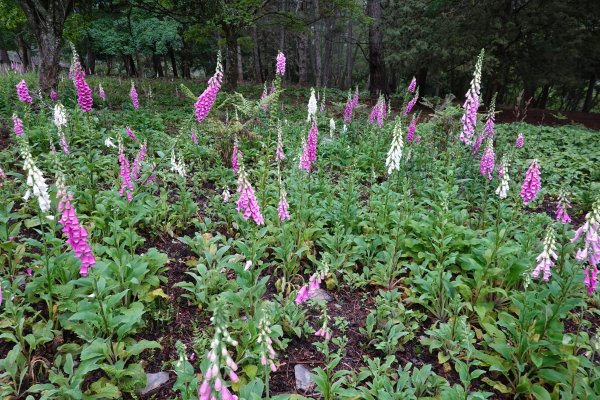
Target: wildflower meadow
{"points": [[180, 239]]}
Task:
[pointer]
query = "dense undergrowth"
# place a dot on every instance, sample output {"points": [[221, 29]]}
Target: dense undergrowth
{"points": [[427, 270]]}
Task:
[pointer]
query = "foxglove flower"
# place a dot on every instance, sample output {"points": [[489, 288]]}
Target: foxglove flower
{"points": [[17, 125], [265, 343], [109, 143], [532, 184], [486, 166], [331, 127], [84, 93], [23, 92], [394, 154], [561, 211], [411, 130], [325, 330], [2, 177], [379, 112], [73, 230], [138, 162], [53, 96], [488, 128], [226, 195], [547, 257], [60, 120], [125, 173], [101, 92], [234, 156], [263, 98], [247, 202], [35, 181], [411, 103], [60, 116], [134, 96], [208, 97], [130, 133], [280, 65], [213, 384], [282, 208], [309, 155], [304, 161], [308, 291], [178, 165], [590, 230], [312, 105], [413, 85], [350, 105], [520, 141], [591, 279], [502, 190], [279, 155], [471, 105]]}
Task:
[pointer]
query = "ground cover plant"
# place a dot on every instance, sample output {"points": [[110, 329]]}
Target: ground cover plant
{"points": [[290, 243]]}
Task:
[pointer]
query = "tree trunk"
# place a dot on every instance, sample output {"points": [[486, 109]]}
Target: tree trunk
{"points": [[158, 69], [256, 57], [186, 59], [109, 64], [302, 58], [349, 56], [422, 79], [91, 57], [140, 64], [132, 70], [4, 58], [173, 62], [23, 52], [543, 100], [47, 19], [328, 53], [230, 57], [377, 81], [589, 96], [317, 42], [240, 69]]}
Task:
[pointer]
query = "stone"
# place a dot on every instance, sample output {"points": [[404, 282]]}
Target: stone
{"points": [[320, 294], [154, 381], [303, 381]]}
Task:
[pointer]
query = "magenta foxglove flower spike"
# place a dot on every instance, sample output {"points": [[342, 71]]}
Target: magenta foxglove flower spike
{"points": [[413, 85], [520, 141], [547, 257], [208, 97], [17, 125], [138, 162], [282, 208], [279, 155], [247, 202], [134, 96], [309, 155], [125, 173], [411, 103], [410, 135], [486, 166], [77, 236], [131, 134], [325, 330], [471, 105], [590, 251], [234, 156], [307, 291], [532, 183], [101, 92], [23, 92], [84, 93], [280, 65], [563, 205], [53, 95]]}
